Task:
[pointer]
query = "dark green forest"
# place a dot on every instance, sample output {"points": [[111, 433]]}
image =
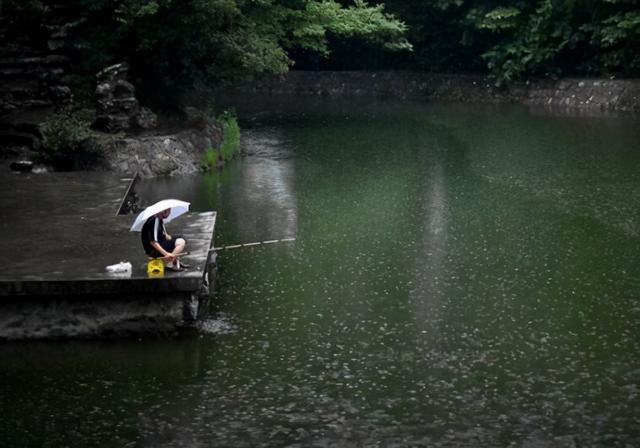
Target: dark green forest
{"points": [[178, 44], [509, 40]]}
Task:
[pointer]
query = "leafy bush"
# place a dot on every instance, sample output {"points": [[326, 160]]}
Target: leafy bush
{"points": [[509, 39], [66, 141], [552, 38]]}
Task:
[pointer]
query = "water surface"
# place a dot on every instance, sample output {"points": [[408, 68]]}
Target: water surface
{"points": [[462, 276]]}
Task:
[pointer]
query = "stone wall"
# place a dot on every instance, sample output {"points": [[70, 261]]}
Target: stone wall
{"points": [[33, 60], [612, 95], [81, 316], [32, 81], [32, 86], [604, 94], [47, 318]]}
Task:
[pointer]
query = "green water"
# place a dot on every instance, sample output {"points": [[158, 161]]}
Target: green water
{"points": [[462, 276]]}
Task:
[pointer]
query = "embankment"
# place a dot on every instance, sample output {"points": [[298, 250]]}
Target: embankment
{"points": [[599, 94]]}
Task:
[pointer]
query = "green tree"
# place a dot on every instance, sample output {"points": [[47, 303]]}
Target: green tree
{"points": [[172, 44], [563, 37], [513, 39], [614, 35]]}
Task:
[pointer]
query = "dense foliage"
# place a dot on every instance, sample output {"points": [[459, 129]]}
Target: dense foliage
{"points": [[172, 44], [510, 39], [554, 38]]}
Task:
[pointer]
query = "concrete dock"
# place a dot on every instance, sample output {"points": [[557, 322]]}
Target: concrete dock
{"points": [[59, 232]]}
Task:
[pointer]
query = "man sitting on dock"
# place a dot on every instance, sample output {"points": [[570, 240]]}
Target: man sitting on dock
{"points": [[158, 243]]}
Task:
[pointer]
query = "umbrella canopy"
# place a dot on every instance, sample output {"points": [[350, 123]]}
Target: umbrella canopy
{"points": [[177, 208]]}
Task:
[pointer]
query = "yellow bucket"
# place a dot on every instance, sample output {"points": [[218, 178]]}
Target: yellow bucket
{"points": [[155, 267]]}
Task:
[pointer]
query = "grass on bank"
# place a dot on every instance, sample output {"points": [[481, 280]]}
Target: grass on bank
{"points": [[230, 141]]}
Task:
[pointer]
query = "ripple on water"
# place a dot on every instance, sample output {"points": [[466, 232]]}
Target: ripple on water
{"points": [[222, 324]]}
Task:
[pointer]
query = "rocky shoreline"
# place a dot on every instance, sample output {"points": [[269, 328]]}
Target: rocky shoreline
{"points": [[115, 134], [169, 153], [161, 152], [585, 94]]}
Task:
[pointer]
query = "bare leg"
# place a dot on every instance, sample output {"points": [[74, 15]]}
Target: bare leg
{"points": [[180, 245]]}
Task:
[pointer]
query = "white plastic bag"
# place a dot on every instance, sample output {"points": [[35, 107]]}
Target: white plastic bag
{"points": [[124, 267]]}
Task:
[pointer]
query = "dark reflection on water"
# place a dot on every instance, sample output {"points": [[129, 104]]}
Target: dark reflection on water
{"points": [[462, 276]]}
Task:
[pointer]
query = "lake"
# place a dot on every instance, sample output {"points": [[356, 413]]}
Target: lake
{"points": [[462, 275]]}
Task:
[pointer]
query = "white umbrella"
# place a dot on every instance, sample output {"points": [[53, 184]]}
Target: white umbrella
{"points": [[177, 208]]}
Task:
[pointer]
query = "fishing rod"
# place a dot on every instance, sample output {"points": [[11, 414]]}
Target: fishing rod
{"points": [[257, 243], [239, 246]]}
